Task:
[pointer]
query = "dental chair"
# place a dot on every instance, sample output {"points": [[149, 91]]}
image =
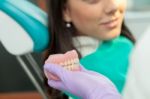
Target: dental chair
{"points": [[23, 30]]}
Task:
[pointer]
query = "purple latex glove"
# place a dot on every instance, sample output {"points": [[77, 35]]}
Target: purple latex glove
{"points": [[85, 84]]}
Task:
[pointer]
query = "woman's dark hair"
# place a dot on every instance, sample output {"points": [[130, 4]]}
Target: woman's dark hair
{"points": [[61, 37]]}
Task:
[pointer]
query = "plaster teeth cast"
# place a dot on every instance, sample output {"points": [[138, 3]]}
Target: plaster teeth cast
{"points": [[69, 61]]}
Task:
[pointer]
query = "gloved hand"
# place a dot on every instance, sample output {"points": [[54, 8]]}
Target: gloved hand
{"points": [[85, 84]]}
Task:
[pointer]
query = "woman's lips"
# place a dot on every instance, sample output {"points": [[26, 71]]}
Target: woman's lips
{"points": [[110, 24]]}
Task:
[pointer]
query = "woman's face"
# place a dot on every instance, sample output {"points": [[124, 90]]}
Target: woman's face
{"points": [[98, 18]]}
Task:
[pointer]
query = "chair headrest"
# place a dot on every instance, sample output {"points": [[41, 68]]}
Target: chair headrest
{"points": [[24, 18]]}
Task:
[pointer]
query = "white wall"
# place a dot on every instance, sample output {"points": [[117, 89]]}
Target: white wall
{"points": [[137, 21]]}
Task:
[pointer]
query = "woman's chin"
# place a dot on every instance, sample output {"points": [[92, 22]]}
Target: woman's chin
{"points": [[111, 35]]}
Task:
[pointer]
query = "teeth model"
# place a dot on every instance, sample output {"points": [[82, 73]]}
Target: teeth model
{"points": [[69, 61]]}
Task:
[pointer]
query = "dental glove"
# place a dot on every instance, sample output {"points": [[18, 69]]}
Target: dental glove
{"points": [[84, 84]]}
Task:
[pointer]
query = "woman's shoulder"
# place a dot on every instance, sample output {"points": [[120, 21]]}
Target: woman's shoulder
{"points": [[125, 40], [118, 43]]}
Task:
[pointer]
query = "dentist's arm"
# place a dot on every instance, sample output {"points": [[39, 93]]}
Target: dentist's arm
{"points": [[137, 85], [85, 84]]}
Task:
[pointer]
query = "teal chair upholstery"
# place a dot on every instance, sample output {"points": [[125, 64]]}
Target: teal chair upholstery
{"points": [[32, 19]]}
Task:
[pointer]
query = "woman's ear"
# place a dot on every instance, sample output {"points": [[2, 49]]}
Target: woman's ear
{"points": [[66, 15]]}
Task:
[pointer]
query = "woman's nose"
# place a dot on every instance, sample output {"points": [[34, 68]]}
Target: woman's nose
{"points": [[111, 6]]}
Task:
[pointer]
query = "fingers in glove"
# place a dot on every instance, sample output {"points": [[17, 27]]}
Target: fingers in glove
{"points": [[55, 71], [56, 84]]}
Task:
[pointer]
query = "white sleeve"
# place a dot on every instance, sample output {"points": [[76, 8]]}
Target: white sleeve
{"points": [[138, 80]]}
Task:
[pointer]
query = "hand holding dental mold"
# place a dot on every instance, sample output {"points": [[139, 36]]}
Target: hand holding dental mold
{"points": [[69, 61], [66, 74]]}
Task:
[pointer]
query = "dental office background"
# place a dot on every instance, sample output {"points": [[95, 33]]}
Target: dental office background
{"points": [[14, 79]]}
